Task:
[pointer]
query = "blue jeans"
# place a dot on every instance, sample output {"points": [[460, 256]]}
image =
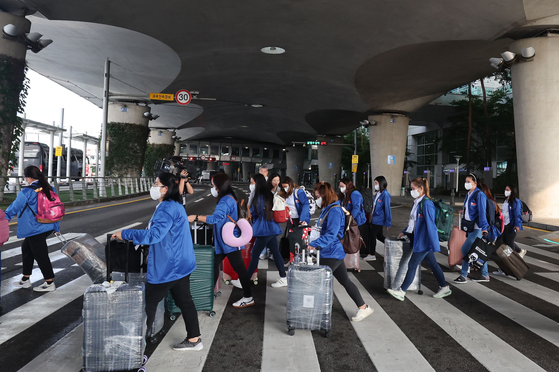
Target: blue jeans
{"points": [[415, 260], [260, 243], [466, 247]]}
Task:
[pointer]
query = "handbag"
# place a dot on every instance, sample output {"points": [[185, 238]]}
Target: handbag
{"points": [[280, 209], [468, 226], [480, 253]]}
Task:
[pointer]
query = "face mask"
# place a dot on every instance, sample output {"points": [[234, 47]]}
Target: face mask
{"points": [[214, 192], [252, 187], [319, 202], [377, 187], [468, 186], [286, 189], [155, 192], [25, 183], [342, 189], [507, 193], [415, 194]]}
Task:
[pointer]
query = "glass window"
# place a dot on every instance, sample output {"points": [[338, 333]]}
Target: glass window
{"points": [[256, 152], [236, 151], [193, 149], [214, 150], [204, 150], [314, 154], [225, 150], [246, 151]]}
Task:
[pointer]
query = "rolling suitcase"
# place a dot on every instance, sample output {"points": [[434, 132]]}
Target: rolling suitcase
{"points": [[309, 296], [202, 279], [510, 262], [205, 232], [85, 251], [455, 243], [230, 274], [351, 261], [397, 255]]}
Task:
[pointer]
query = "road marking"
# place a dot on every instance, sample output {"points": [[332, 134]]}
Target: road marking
{"points": [[51, 241], [388, 347], [199, 200], [208, 194], [532, 288], [541, 252], [8, 285]]}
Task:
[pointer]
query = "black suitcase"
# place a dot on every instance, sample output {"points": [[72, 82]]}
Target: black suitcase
{"points": [[118, 252]]}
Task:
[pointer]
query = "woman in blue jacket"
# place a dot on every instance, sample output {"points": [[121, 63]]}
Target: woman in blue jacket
{"points": [[265, 229], [171, 258], [226, 206], [382, 215], [299, 211], [424, 238], [512, 213], [34, 247], [332, 254], [352, 201], [475, 223]]}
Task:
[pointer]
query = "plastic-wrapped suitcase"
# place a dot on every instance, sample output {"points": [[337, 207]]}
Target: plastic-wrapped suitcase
{"points": [[351, 261], [455, 243], [309, 296], [85, 252], [397, 254], [510, 262], [230, 274]]}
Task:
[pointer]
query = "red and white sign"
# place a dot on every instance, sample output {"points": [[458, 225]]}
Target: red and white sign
{"points": [[233, 158], [183, 97], [202, 157]]}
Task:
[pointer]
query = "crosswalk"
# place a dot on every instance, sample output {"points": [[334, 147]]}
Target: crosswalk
{"points": [[503, 325]]}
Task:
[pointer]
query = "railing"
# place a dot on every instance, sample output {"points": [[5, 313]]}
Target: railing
{"points": [[88, 188]]}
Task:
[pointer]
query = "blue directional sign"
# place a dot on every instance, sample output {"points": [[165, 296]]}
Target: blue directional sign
{"points": [[330, 165], [391, 159]]}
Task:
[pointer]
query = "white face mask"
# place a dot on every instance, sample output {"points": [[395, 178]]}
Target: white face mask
{"points": [[319, 202], [286, 189], [214, 192], [415, 194], [377, 187], [468, 186], [252, 187], [155, 192], [507, 193], [342, 189]]}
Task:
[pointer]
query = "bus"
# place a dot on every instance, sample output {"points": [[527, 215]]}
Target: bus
{"points": [[37, 154]]}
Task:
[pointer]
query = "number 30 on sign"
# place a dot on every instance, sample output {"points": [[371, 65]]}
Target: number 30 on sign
{"points": [[183, 97]]}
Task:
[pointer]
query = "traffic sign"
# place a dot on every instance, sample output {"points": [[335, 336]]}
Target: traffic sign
{"points": [[58, 151], [353, 168], [183, 97], [161, 97], [202, 157], [354, 159]]}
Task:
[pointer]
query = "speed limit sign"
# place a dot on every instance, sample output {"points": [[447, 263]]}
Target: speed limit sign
{"points": [[183, 97]]}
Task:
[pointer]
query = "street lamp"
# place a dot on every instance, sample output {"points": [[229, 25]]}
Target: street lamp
{"points": [[457, 157]]}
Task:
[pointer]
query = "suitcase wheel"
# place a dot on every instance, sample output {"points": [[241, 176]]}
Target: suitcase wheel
{"points": [[173, 317], [255, 282], [143, 369], [420, 292], [358, 270], [328, 334], [290, 331], [217, 294], [212, 314], [227, 282], [145, 360]]}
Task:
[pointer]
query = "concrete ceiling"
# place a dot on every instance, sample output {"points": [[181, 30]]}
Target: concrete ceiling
{"points": [[342, 61]]}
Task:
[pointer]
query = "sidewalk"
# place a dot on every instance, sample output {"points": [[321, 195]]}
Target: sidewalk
{"points": [[550, 224]]}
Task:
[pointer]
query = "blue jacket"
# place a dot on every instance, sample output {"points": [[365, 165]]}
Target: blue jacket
{"points": [[515, 214], [27, 224], [355, 206], [477, 208], [332, 230], [302, 205], [260, 225], [426, 237], [382, 214], [171, 252], [227, 206]]}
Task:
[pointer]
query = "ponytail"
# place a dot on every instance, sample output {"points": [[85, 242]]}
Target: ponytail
{"points": [[422, 182], [34, 172]]}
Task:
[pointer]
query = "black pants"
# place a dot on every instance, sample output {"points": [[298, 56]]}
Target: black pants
{"points": [[508, 236], [376, 233], [365, 231], [294, 237], [340, 273], [238, 264], [180, 289], [34, 248]]}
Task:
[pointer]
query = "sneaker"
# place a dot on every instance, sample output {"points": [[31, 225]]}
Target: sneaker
{"points": [[237, 283], [460, 280], [481, 279], [522, 253], [362, 314], [244, 302], [272, 257], [282, 282], [370, 257], [499, 273], [263, 256], [287, 264], [397, 294], [45, 287], [188, 345], [24, 284], [443, 292]]}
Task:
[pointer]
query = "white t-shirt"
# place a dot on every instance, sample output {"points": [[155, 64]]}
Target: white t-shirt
{"points": [[413, 215], [290, 201], [505, 212]]}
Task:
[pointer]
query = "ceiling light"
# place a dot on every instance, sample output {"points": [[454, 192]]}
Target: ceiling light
{"points": [[257, 105], [32, 37], [244, 126], [146, 114], [45, 42], [496, 62], [528, 53], [154, 117], [272, 50], [509, 57], [10, 31]]}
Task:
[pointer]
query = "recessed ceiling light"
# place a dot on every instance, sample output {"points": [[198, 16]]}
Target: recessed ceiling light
{"points": [[229, 137], [272, 50], [256, 105], [244, 126]]}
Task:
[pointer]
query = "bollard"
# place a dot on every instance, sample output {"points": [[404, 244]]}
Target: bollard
{"points": [[84, 189], [95, 194], [113, 187], [137, 186], [71, 188], [120, 186], [125, 186]]}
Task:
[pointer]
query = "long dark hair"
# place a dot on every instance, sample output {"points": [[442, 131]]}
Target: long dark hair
{"points": [[292, 187], [270, 178], [382, 184], [32, 171], [171, 181], [221, 181], [349, 188], [263, 193], [513, 193], [483, 187]]}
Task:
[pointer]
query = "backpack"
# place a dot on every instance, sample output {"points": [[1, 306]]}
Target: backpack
{"points": [[280, 209], [312, 203], [368, 200], [490, 212], [4, 228], [444, 217], [48, 210], [526, 213], [352, 240]]}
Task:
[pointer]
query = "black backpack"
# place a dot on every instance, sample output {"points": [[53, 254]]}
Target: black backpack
{"points": [[368, 200], [526, 212], [490, 213]]}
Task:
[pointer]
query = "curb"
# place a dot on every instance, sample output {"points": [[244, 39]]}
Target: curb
{"points": [[103, 200]]}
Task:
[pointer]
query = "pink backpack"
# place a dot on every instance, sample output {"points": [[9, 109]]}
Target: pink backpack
{"points": [[4, 228], [48, 210]]}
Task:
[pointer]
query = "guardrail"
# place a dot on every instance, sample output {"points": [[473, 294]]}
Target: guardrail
{"points": [[88, 188]]}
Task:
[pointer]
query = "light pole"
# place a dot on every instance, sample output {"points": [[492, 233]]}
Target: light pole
{"points": [[457, 171]]}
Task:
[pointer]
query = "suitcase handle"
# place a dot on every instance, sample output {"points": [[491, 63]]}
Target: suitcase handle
{"points": [[108, 257]]}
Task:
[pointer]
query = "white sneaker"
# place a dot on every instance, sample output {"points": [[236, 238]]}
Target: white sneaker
{"points": [[272, 257], [397, 294], [244, 302], [499, 272], [370, 257], [263, 256], [237, 283], [282, 282], [362, 314], [443, 292], [522, 253], [45, 287], [24, 284]]}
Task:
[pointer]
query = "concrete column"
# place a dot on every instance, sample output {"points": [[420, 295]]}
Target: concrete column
{"points": [[536, 108], [295, 157], [212, 166], [130, 113], [388, 139], [329, 160], [161, 137], [177, 151], [247, 168], [228, 169]]}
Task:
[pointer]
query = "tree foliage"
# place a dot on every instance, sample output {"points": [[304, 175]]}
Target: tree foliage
{"points": [[127, 147], [155, 152]]}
